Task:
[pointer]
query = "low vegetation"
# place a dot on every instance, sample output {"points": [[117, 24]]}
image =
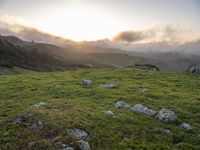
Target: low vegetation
{"points": [[68, 104]]}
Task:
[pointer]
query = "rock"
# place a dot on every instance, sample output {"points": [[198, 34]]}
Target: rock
{"points": [[167, 131], [36, 126], [193, 69], [144, 90], [22, 118], [69, 148], [31, 144], [38, 105], [77, 133], [186, 126], [86, 82], [143, 110], [122, 104], [109, 85], [108, 112], [58, 86], [83, 145], [166, 115]]}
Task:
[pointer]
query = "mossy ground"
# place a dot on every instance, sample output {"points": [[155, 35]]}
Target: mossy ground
{"points": [[75, 106]]}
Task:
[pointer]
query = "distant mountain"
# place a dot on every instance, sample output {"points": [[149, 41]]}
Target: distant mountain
{"points": [[47, 57]]}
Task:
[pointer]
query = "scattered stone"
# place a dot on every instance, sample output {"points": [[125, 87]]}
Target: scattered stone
{"points": [[193, 69], [108, 112], [167, 131], [86, 82], [69, 148], [38, 105], [31, 144], [122, 104], [59, 86], [144, 90], [109, 85], [186, 126], [77, 133], [22, 118], [166, 115], [84, 145], [143, 110], [36, 126]]}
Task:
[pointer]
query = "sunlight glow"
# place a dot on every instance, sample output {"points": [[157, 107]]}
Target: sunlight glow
{"points": [[79, 24]]}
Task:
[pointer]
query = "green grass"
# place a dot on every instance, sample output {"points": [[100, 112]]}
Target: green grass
{"points": [[74, 105]]}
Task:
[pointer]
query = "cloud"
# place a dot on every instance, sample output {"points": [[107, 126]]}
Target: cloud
{"points": [[167, 33]]}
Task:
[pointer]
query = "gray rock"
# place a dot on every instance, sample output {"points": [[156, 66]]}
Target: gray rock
{"points": [[166, 115], [84, 145], [186, 126], [68, 148], [108, 112], [109, 85], [86, 82], [22, 118], [36, 126], [193, 69], [77, 133], [122, 104], [143, 110], [144, 90], [38, 105]]}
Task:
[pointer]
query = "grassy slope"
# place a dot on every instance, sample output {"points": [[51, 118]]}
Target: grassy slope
{"points": [[79, 106]]}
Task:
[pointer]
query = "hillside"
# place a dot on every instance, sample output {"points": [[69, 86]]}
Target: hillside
{"points": [[39, 111]]}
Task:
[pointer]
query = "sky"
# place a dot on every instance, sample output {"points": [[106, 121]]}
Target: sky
{"points": [[127, 20]]}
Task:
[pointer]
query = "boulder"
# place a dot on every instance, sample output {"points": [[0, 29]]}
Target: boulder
{"points": [[122, 104], [193, 69], [79, 134], [109, 85], [166, 115], [83, 145], [108, 112], [186, 126], [143, 110], [86, 82], [38, 105]]}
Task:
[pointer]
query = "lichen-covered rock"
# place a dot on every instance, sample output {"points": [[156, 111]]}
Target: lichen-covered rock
{"points": [[122, 104], [166, 115], [38, 105], [36, 126], [108, 112], [83, 145], [79, 134], [186, 126], [109, 85], [143, 110], [86, 82]]}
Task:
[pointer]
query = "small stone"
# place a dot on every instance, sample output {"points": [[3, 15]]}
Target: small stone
{"points": [[143, 110], [167, 131], [108, 112], [144, 90], [86, 82], [186, 126], [122, 104], [22, 118], [69, 148], [58, 86], [31, 144], [84, 145], [109, 85], [77, 133], [166, 115], [36, 126], [38, 105]]}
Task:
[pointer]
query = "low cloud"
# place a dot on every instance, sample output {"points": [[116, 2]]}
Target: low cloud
{"points": [[167, 33]]}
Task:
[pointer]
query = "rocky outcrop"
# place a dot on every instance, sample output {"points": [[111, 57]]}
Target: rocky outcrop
{"points": [[166, 115], [122, 104], [143, 110]]}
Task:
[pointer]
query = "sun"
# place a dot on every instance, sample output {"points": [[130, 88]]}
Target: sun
{"points": [[79, 24]]}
